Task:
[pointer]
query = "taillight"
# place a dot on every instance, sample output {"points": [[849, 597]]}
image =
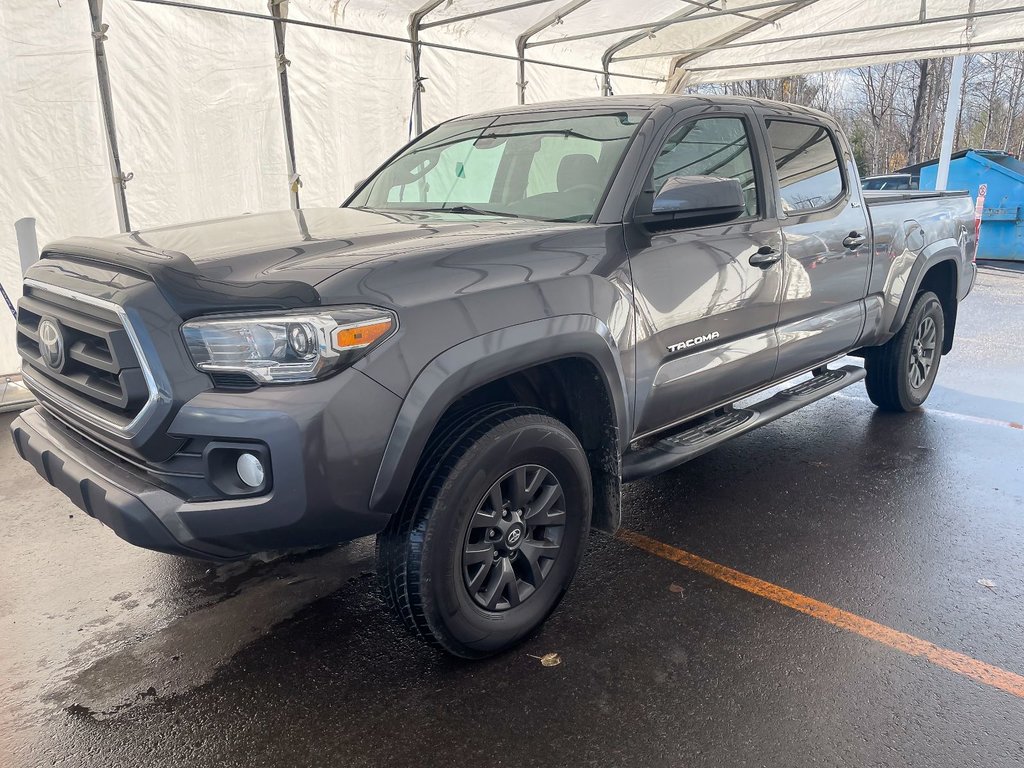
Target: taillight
{"points": [[979, 208]]}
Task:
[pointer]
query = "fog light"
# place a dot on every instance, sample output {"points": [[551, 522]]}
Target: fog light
{"points": [[250, 470]]}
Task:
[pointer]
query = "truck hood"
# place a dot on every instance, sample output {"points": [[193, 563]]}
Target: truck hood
{"points": [[276, 260]]}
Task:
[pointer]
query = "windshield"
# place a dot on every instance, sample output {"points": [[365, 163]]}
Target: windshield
{"points": [[535, 166]]}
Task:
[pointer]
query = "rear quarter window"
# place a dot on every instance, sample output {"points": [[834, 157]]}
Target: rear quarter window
{"points": [[807, 165]]}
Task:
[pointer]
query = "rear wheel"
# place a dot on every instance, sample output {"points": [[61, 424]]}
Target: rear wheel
{"points": [[901, 372], [491, 536]]}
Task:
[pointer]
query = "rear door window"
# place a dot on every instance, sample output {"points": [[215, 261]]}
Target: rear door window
{"points": [[807, 165]]}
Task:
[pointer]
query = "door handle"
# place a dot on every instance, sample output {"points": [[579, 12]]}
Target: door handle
{"points": [[765, 257], [854, 240]]}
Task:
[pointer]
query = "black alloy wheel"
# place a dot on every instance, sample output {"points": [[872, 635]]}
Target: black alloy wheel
{"points": [[492, 531], [513, 538], [922, 352], [901, 372]]}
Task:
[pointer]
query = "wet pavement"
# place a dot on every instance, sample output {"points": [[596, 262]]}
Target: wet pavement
{"points": [[114, 656]]}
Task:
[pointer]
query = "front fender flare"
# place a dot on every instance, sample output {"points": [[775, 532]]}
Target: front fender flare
{"points": [[478, 361]]}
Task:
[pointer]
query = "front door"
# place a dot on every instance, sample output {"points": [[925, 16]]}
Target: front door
{"points": [[826, 240], [706, 315]]}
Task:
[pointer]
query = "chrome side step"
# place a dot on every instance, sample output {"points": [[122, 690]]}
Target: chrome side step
{"points": [[713, 430]]}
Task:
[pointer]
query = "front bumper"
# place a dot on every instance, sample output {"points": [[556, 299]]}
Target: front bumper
{"points": [[325, 442]]}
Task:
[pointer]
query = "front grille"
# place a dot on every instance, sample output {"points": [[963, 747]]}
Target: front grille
{"points": [[102, 378]]}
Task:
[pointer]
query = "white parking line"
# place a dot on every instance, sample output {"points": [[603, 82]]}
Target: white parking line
{"points": [[951, 414]]}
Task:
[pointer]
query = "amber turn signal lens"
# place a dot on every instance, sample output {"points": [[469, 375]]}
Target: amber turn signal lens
{"points": [[358, 336]]}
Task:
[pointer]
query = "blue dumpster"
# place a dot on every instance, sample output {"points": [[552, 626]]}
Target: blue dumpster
{"points": [[1002, 219]]}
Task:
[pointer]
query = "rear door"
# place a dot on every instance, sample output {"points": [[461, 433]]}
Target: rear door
{"points": [[705, 316], [826, 241]]}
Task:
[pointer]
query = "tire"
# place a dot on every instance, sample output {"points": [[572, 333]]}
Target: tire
{"points": [[464, 576], [901, 372]]}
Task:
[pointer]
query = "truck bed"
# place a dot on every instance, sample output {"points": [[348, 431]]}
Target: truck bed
{"points": [[888, 196], [910, 227]]}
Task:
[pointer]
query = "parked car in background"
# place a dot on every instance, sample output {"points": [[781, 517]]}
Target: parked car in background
{"points": [[890, 181], [517, 313]]}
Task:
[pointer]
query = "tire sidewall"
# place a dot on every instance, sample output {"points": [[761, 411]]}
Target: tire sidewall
{"points": [[927, 305], [449, 609]]}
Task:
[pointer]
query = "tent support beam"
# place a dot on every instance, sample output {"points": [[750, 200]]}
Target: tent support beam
{"points": [[397, 39], [415, 25], [815, 35], [485, 12], [743, 31], [606, 57], [897, 54], [641, 27], [99, 36], [279, 10], [523, 40], [949, 125]]}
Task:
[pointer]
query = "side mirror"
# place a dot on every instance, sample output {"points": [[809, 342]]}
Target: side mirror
{"points": [[693, 201]]}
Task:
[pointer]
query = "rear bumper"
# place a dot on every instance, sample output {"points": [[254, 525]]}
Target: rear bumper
{"points": [[968, 283], [319, 494]]}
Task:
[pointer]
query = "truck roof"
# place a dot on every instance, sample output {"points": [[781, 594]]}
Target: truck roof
{"points": [[650, 101]]}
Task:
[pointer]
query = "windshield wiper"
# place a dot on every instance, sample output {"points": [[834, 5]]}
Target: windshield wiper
{"points": [[468, 209]]}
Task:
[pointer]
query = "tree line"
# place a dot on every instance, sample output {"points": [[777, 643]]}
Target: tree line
{"points": [[893, 113]]}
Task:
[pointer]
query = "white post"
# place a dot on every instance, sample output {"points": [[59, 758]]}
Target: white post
{"points": [[949, 126], [28, 244]]}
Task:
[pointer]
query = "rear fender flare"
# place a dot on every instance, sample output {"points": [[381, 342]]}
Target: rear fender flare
{"points": [[478, 361], [935, 253]]}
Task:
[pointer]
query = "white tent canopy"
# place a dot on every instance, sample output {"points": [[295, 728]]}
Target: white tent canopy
{"points": [[200, 92]]}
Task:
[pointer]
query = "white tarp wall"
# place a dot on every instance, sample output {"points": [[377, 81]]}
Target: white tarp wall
{"points": [[198, 114], [53, 157]]}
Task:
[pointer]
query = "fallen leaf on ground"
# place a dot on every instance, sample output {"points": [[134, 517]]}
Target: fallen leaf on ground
{"points": [[548, 659]]}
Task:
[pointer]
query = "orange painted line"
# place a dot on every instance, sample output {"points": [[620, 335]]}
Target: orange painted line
{"points": [[953, 661]]}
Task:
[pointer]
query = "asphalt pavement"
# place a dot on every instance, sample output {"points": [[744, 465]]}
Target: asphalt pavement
{"points": [[840, 588]]}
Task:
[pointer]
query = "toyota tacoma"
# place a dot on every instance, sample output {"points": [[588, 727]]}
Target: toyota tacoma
{"points": [[516, 314]]}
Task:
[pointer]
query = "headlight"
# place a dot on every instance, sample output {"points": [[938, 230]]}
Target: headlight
{"points": [[287, 347]]}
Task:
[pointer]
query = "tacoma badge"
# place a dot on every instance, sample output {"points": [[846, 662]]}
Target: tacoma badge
{"points": [[693, 342]]}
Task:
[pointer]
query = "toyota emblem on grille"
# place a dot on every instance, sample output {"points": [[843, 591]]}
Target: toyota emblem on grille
{"points": [[51, 343]]}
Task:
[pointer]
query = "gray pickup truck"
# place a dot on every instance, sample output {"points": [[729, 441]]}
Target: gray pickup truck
{"points": [[517, 313]]}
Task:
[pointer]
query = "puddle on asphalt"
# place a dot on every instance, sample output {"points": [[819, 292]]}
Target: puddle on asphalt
{"points": [[233, 605]]}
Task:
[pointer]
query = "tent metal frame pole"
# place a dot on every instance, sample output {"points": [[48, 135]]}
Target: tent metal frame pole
{"points": [[392, 38], [949, 124], [415, 25], [746, 29], [816, 35], [523, 40], [520, 72], [606, 57], [897, 54], [279, 10], [485, 12], [120, 180], [640, 27]]}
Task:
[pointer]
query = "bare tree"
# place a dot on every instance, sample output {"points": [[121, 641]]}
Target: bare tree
{"points": [[920, 105], [894, 112]]}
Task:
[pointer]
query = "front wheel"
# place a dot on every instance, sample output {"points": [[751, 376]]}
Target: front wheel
{"points": [[486, 546], [901, 372]]}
